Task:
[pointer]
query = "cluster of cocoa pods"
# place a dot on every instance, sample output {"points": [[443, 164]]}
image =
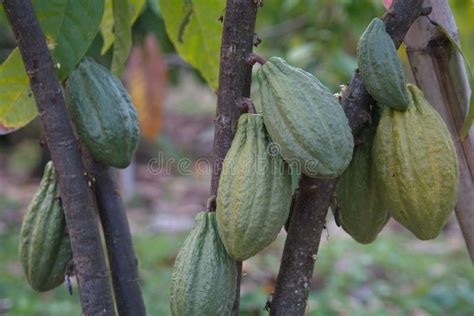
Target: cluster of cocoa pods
{"points": [[405, 168], [106, 123], [302, 125]]}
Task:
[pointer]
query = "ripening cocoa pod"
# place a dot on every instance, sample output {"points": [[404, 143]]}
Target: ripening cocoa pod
{"points": [[254, 195], [380, 67], [45, 249], [417, 166], [304, 119], [103, 114], [362, 211], [204, 275]]}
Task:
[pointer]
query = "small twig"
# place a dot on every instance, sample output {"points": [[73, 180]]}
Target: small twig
{"points": [[254, 58], [337, 216], [211, 204], [247, 106], [258, 3], [388, 13], [256, 40]]}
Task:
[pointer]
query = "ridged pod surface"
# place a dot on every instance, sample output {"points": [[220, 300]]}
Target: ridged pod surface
{"points": [[45, 248], [304, 119], [362, 212], [417, 166], [103, 114], [254, 195], [204, 275], [380, 67]]}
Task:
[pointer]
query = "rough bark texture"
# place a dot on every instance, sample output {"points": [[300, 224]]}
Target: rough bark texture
{"points": [[234, 84], [122, 260], [314, 195], [439, 71], [234, 77], [89, 261]]}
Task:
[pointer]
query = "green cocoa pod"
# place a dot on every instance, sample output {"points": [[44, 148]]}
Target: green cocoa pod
{"points": [[362, 212], [254, 195], [417, 166], [103, 114], [380, 67], [204, 275], [304, 119], [45, 248]]}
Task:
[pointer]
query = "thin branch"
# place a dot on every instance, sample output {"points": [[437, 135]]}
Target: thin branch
{"points": [[314, 195], [122, 259], [234, 84], [79, 208]]}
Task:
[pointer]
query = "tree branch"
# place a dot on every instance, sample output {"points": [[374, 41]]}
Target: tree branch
{"points": [[313, 196], [122, 259], [234, 84], [79, 208]]}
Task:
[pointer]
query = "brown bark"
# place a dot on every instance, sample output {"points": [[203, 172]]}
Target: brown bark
{"points": [[234, 85], [234, 77], [79, 208], [314, 195], [122, 260], [439, 71]]}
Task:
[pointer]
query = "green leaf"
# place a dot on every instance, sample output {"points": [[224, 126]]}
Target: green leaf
{"points": [[194, 29], [470, 115], [123, 35], [17, 105], [69, 27], [154, 6], [107, 26]]}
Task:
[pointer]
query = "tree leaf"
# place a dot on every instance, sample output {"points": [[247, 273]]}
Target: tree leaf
{"points": [[107, 25], [17, 105], [194, 29], [154, 6], [69, 27], [146, 79], [123, 35]]}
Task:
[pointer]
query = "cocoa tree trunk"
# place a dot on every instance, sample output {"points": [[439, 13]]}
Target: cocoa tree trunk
{"points": [[79, 208], [312, 198], [122, 260], [439, 71], [234, 84]]}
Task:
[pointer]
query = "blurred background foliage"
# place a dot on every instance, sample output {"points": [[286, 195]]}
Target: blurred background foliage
{"points": [[396, 275]]}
